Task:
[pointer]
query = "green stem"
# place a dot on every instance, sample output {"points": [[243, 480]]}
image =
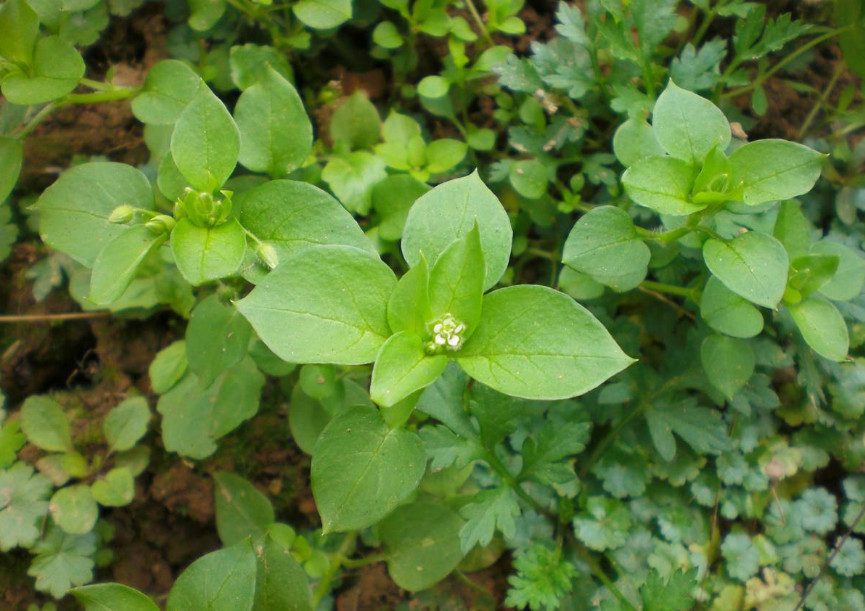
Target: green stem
{"points": [[336, 562], [789, 58], [670, 289]]}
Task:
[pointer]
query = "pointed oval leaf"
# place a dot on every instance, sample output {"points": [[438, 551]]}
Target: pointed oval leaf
{"points": [[537, 343], [327, 304], [753, 265], [361, 469], [447, 213], [74, 211]]}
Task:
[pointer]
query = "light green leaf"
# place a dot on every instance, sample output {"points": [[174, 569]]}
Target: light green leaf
{"points": [[662, 184], [537, 343], [74, 211], [327, 304], [20, 26], [126, 424], [168, 367], [634, 140], [402, 367], [604, 245], [11, 155], [117, 264], [456, 282], [217, 338], [352, 177], [447, 213], [725, 311], [753, 265], [57, 68], [362, 470], [822, 326], [422, 543], [241, 510], [728, 363], [116, 489], [392, 198], [112, 597], [848, 281], [205, 143], [291, 216], [45, 424], [74, 509], [355, 123], [169, 87], [275, 132], [323, 14], [280, 583], [775, 170], [688, 126], [223, 580], [23, 505], [203, 254]]}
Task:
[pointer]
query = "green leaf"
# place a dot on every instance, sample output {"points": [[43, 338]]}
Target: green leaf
{"points": [[126, 424], [323, 14], [361, 470], [537, 343], [45, 424], [241, 510], [62, 561], [205, 143], [116, 489], [280, 583], [11, 155], [74, 211], [822, 326], [204, 254], [725, 311], [673, 594], [753, 265], [635, 140], [773, 170], [688, 126], [728, 362], [456, 282], [20, 26], [291, 215], [402, 367], [23, 505], [110, 596], [327, 304], [529, 178], [408, 307], [663, 184], [194, 416], [168, 367], [392, 198], [352, 177], [604, 524], [74, 509], [356, 123], [604, 245], [447, 213], [275, 132], [117, 264], [223, 580], [849, 279], [205, 13], [217, 338], [251, 63], [57, 67], [168, 89], [422, 543], [701, 428], [491, 511]]}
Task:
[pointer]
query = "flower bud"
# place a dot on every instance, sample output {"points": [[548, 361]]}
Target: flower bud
{"points": [[121, 214]]}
